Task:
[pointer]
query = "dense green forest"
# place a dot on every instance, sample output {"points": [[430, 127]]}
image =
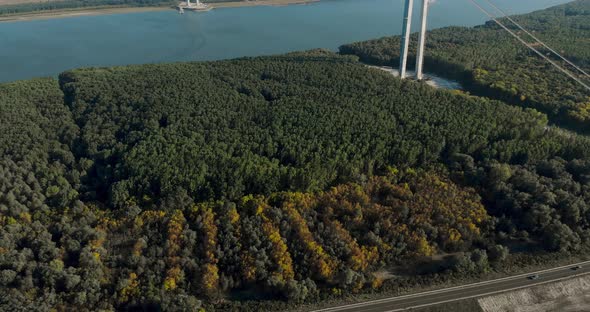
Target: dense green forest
{"points": [[489, 62], [294, 178]]}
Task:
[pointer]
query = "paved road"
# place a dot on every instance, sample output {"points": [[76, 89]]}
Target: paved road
{"points": [[475, 290]]}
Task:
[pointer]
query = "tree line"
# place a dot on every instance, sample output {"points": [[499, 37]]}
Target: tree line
{"points": [[490, 62], [76, 4]]}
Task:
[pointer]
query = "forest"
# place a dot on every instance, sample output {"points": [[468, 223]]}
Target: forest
{"points": [[271, 182], [290, 178], [489, 62]]}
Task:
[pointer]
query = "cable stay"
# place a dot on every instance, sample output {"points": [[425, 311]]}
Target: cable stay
{"points": [[495, 19], [507, 16]]}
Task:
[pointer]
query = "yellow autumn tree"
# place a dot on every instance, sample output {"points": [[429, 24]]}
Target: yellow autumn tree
{"points": [[209, 284], [175, 226], [323, 264]]}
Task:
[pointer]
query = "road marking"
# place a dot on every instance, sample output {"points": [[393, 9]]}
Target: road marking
{"points": [[360, 304], [492, 293]]}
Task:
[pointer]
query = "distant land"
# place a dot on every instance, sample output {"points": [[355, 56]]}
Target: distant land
{"points": [[10, 2], [34, 10], [64, 13]]}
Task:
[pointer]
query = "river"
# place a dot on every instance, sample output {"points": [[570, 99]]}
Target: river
{"points": [[47, 47]]}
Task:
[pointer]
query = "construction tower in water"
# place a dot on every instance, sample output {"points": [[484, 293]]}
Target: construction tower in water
{"points": [[188, 5]]}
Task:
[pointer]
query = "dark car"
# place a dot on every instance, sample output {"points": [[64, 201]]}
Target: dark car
{"points": [[577, 267], [534, 277]]}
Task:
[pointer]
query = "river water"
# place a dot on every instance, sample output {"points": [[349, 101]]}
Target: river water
{"points": [[47, 47]]}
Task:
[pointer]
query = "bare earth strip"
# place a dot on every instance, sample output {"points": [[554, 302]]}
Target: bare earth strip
{"points": [[569, 295], [115, 10]]}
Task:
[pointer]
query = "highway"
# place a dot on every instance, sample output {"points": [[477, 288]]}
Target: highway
{"points": [[475, 290]]}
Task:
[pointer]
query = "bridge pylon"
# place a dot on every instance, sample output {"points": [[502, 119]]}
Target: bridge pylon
{"points": [[405, 39]]}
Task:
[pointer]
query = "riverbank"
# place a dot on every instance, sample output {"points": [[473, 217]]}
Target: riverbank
{"points": [[234, 4], [90, 11], [431, 79]]}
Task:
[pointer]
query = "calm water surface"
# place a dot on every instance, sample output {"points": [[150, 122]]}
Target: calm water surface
{"points": [[47, 47]]}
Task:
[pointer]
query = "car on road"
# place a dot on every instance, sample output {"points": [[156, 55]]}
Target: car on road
{"points": [[534, 277], [577, 267]]}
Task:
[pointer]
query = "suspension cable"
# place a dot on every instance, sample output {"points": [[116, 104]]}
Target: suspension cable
{"points": [[537, 39], [565, 71]]}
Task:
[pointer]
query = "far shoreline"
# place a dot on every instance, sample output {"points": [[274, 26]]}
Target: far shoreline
{"points": [[107, 10]]}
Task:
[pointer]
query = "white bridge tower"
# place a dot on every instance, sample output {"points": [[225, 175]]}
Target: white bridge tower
{"points": [[405, 40]]}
